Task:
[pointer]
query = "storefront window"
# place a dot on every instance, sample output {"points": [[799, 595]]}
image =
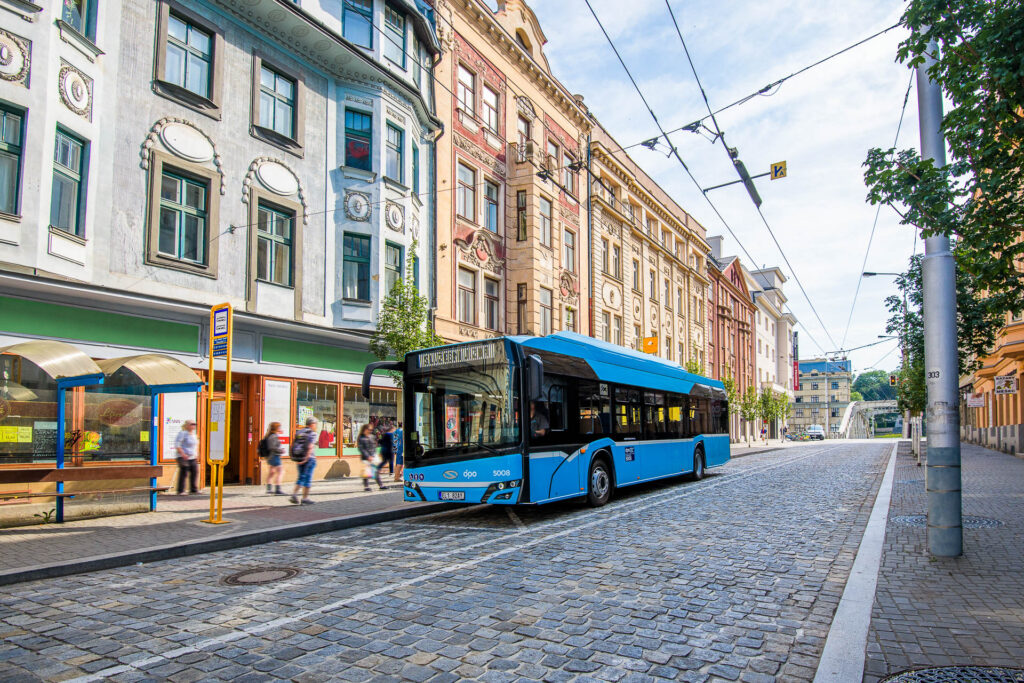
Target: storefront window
{"points": [[381, 411], [319, 401], [116, 426], [28, 413]]}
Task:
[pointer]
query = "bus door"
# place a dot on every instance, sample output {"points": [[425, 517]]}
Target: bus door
{"points": [[628, 427]]}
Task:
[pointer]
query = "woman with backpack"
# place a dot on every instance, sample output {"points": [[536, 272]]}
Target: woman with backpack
{"points": [[370, 458], [272, 449], [303, 455]]}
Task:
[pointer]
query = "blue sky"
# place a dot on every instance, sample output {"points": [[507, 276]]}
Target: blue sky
{"points": [[821, 122]]}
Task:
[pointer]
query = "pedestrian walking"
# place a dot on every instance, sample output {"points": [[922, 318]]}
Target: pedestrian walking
{"points": [[303, 455], [398, 446], [186, 445], [271, 449], [387, 448], [370, 458]]}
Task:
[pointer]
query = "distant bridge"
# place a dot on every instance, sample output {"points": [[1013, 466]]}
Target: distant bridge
{"points": [[856, 423]]}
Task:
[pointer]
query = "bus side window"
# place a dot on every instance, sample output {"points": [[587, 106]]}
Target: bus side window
{"points": [[675, 428], [556, 407], [654, 415]]}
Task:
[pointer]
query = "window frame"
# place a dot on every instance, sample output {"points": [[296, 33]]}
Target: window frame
{"points": [[490, 205], [88, 28], [465, 92], [349, 6], [293, 144], [182, 210], [398, 272], [388, 28], [81, 182], [393, 148], [546, 219], [158, 161], [490, 116], [569, 250], [263, 205], [359, 260], [465, 193], [546, 315], [208, 105], [522, 204], [358, 136], [8, 149], [492, 304], [465, 297]]}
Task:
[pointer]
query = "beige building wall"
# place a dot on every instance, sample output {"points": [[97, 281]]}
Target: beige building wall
{"points": [[649, 259], [509, 240], [821, 399]]}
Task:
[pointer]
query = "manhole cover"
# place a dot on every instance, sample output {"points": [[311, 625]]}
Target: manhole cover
{"points": [[968, 522], [959, 674], [260, 575]]}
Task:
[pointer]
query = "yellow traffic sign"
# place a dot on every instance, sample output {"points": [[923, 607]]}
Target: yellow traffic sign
{"points": [[778, 170]]}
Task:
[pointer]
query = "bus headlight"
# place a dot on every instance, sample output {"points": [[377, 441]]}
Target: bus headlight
{"points": [[502, 486]]}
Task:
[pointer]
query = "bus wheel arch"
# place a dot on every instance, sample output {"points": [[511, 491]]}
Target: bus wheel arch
{"points": [[600, 479], [699, 463]]}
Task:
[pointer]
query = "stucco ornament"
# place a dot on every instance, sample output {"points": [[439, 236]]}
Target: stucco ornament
{"points": [[395, 216], [75, 90], [357, 206], [184, 138], [279, 178], [414, 227], [15, 57], [611, 295]]}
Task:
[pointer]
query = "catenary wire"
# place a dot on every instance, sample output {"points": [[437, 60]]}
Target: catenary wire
{"points": [[773, 84], [720, 136], [878, 211]]}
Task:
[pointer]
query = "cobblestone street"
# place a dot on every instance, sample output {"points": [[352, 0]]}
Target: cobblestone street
{"points": [[736, 577]]}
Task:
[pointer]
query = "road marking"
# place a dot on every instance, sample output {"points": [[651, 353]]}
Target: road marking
{"points": [[846, 646], [601, 518]]}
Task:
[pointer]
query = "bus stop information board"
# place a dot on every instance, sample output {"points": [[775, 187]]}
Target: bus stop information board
{"points": [[218, 413]]}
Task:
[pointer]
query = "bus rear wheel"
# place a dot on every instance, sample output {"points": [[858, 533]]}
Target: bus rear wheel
{"points": [[698, 465], [599, 491]]}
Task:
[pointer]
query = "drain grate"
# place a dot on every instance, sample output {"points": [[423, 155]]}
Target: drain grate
{"points": [[959, 674], [968, 522], [260, 576]]}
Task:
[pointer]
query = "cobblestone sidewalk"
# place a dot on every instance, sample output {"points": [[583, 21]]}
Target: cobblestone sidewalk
{"points": [[966, 611], [178, 520]]}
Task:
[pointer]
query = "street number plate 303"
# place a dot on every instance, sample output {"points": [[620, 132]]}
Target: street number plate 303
{"points": [[453, 495]]}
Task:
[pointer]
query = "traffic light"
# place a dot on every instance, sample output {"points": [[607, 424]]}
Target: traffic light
{"points": [[892, 380]]}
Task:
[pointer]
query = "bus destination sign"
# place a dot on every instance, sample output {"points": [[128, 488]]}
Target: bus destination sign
{"points": [[462, 355]]}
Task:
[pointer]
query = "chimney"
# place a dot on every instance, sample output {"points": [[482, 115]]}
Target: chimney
{"points": [[716, 245]]}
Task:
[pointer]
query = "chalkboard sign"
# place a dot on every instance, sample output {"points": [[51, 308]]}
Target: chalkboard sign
{"points": [[44, 440]]}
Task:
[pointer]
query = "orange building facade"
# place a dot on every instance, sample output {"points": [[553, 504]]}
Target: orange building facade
{"points": [[997, 418]]}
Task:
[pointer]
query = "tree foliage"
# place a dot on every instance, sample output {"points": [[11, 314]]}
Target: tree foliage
{"points": [[873, 385], [731, 392], [694, 366], [976, 321], [403, 324], [750, 404], [976, 198]]}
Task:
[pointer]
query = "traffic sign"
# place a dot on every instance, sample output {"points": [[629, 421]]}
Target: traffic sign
{"points": [[778, 170], [650, 345]]}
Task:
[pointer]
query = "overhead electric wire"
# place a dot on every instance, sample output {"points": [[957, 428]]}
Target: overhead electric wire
{"points": [[889, 353], [878, 211], [720, 136], [771, 85]]}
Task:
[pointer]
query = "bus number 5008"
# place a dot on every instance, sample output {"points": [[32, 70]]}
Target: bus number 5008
{"points": [[502, 473]]}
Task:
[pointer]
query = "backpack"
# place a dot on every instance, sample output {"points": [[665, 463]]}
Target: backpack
{"points": [[263, 448], [300, 445]]}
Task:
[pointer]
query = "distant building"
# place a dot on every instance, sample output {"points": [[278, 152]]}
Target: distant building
{"points": [[822, 395]]}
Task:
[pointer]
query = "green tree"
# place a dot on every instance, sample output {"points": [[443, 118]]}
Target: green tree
{"points": [[873, 385], [977, 323], [403, 324], [783, 408], [856, 396], [750, 404], [976, 198], [694, 366], [731, 392]]}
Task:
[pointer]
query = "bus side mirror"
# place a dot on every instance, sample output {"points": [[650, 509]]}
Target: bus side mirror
{"points": [[535, 377]]}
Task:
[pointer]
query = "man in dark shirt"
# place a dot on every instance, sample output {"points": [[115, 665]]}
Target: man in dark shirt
{"points": [[539, 424]]}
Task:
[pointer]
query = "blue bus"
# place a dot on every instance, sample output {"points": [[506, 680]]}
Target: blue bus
{"points": [[529, 420]]}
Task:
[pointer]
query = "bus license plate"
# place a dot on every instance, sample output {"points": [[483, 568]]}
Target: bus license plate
{"points": [[453, 495]]}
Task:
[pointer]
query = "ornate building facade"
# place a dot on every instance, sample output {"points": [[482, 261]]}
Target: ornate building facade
{"points": [[730, 328], [159, 157], [512, 222], [649, 256], [773, 337]]}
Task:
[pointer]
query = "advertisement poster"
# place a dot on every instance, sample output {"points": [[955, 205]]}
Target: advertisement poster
{"points": [[177, 409], [451, 422], [218, 430], [1006, 384], [976, 401], [277, 407]]}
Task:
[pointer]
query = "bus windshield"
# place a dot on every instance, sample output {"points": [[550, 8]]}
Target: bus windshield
{"points": [[469, 407]]}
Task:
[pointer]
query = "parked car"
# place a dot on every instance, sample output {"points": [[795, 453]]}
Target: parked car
{"points": [[816, 433]]}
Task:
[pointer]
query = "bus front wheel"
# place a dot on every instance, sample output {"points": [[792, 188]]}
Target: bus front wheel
{"points": [[698, 465], [600, 480]]}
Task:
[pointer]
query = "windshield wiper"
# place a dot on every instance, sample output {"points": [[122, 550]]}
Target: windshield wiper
{"points": [[479, 443]]}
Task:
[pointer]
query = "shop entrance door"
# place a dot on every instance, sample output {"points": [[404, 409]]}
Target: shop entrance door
{"points": [[232, 473]]}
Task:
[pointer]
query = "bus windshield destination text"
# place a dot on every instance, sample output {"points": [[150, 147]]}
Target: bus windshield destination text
{"points": [[458, 356]]}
